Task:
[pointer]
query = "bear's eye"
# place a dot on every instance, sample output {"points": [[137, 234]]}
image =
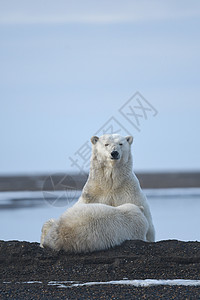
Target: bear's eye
{"points": [[106, 145], [120, 144]]}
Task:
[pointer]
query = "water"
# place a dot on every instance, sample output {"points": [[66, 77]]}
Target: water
{"points": [[175, 213]]}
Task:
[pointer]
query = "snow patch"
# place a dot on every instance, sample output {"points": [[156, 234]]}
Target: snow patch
{"points": [[135, 282], [143, 283]]}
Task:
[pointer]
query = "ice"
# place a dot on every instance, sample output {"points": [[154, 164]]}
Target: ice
{"points": [[135, 282], [138, 283]]}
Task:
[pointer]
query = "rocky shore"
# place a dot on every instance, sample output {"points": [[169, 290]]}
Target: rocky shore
{"points": [[29, 272], [76, 181]]}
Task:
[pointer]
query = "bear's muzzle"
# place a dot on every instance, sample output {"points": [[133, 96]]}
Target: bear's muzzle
{"points": [[115, 155]]}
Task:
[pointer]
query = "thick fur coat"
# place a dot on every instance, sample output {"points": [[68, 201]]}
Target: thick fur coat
{"points": [[111, 180], [92, 227]]}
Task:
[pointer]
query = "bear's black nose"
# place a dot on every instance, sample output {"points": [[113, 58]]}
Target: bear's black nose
{"points": [[115, 154]]}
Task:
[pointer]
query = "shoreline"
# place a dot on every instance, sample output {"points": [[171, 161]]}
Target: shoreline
{"points": [[76, 181]]}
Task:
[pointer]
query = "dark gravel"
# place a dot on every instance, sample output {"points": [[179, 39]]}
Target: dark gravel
{"points": [[23, 261]]}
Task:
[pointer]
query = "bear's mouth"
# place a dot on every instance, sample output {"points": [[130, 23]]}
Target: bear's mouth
{"points": [[115, 158]]}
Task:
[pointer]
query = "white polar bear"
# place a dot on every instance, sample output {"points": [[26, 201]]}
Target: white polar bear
{"points": [[111, 180], [92, 227]]}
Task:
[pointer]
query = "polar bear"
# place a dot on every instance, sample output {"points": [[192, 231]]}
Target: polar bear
{"points": [[92, 227], [111, 180]]}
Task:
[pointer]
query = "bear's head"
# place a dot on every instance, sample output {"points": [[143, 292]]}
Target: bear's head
{"points": [[112, 148]]}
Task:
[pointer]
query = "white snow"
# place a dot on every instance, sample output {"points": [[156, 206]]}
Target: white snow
{"points": [[135, 282], [141, 283]]}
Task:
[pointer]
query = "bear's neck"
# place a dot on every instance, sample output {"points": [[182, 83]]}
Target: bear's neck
{"points": [[110, 175]]}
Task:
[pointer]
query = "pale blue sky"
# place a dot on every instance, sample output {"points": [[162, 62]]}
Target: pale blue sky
{"points": [[68, 66]]}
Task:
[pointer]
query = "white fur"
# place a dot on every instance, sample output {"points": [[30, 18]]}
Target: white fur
{"points": [[112, 182], [92, 227], [45, 229]]}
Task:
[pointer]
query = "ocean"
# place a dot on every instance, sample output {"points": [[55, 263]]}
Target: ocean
{"points": [[175, 212]]}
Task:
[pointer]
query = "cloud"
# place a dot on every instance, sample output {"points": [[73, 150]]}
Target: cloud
{"points": [[94, 12], [63, 19]]}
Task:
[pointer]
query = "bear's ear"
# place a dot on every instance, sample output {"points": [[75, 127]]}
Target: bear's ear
{"points": [[94, 139], [129, 139]]}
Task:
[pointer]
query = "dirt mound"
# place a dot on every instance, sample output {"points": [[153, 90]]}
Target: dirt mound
{"points": [[30, 272]]}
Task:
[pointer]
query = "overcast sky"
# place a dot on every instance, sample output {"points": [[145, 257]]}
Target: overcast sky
{"points": [[69, 70]]}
